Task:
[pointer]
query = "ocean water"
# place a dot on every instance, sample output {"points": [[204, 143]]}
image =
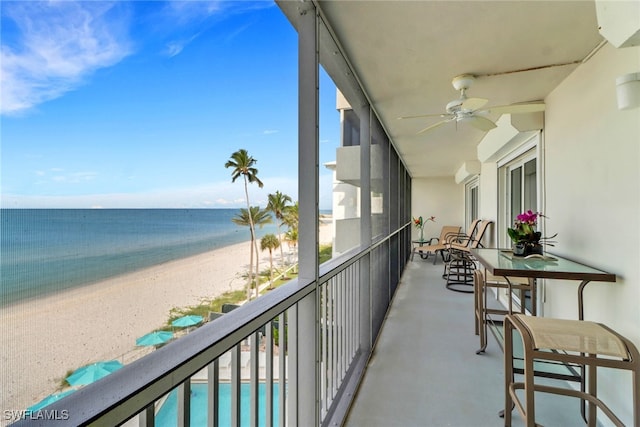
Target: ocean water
{"points": [[46, 250]]}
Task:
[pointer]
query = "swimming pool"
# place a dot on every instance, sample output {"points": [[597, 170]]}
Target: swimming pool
{"points": [[167, 416]]}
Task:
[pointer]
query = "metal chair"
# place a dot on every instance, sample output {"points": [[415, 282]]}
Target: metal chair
{"points": [[587, 344], [483, 313], [437, 244], [458, 271]]}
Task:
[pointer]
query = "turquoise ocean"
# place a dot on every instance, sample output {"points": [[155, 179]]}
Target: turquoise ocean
{"points": [[43, 251]]}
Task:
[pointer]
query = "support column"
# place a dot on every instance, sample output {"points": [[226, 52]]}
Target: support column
{"points": [[366, 340], [305, 381]]}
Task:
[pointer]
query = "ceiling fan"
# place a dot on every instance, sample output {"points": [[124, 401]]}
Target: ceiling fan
{"points": [[469, 110]]}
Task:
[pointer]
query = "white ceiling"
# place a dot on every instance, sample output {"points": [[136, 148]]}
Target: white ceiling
{"points": [[405, 54]]}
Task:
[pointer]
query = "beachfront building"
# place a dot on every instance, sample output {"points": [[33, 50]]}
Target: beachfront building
{"points": [[346, 180], [578, 162]]}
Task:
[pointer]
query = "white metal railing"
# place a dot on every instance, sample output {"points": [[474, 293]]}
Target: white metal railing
{"points": [[340, 331], [253, 347]]}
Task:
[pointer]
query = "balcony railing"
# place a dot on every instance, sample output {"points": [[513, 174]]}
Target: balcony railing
{"points": [[267, 344]]}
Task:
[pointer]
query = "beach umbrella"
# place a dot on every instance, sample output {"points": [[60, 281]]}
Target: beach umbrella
{"points": [[49, 400], [95, 371], [187, 321], [154, 338]]}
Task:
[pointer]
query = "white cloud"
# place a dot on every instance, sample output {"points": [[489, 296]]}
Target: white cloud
{"points": [[78, 177], [177, 46], [269, 131], [59, 175], [185, 12], [225, 202], [57, 45], [197, 15]]}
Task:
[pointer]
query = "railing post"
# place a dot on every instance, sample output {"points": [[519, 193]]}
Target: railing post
{"points": [[213, 396], [147, 417], [236, 385], [184, 404], [282, 370], [254, 379], [268, 374]]}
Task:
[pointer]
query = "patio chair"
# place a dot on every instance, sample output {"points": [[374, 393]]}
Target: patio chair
{"points": [[474, 240], [458, 271], [438, 244], [464, 239]]}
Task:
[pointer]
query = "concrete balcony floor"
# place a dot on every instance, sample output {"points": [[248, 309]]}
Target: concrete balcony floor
{"points": [[424, 370]]}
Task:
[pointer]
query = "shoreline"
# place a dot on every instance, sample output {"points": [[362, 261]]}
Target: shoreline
{"points": [[45, 337]]}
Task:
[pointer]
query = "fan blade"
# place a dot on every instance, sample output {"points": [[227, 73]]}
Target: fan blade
{"points": [[527, 107], [422, 115], [473, 103], [481, 123], [433, 126]]}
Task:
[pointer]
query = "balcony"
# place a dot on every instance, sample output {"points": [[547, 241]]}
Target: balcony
{"points": [[422, 371], [323, 327]]}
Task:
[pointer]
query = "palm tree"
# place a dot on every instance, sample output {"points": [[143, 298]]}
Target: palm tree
{"points": [[270, 242], [258, 217], [290, 219], [278, 205], [243, 164]]}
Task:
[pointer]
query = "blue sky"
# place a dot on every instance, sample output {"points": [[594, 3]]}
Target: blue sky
{"points": [[140, 104]]}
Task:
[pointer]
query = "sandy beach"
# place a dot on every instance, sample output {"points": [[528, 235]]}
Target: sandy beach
{"points": [[45, 338]]}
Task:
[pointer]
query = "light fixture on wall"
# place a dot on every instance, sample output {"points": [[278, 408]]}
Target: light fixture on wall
{"points": [[628, 91]]}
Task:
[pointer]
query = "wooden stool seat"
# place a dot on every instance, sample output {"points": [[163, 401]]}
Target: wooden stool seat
{"points": [[567, 341]]}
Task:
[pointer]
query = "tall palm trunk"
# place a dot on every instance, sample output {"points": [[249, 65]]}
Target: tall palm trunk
{"points": [[253, 245], [280, 241], [270, 268], [257, 275]]}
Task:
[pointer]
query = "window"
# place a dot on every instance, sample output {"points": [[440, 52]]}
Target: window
{"points": [[522, 182], [519, 182], [519, 178]]}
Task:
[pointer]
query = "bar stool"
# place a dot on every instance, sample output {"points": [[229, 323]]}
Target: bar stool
{"points": [[567, 341], [482, 313]]}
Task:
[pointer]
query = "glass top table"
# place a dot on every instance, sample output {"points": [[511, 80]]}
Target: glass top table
{"points": [[502, 262]]}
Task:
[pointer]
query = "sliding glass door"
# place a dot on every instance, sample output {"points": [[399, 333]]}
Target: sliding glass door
{"points": [[520, 193], [522, 188]]}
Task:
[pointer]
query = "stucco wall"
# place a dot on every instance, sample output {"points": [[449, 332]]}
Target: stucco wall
{"points": [[440, 197], [593, 196], [593, 184], [488, 207]]}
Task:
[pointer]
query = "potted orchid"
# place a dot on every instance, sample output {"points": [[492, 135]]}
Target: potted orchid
{"points": [[419, 223], [526, 239]]}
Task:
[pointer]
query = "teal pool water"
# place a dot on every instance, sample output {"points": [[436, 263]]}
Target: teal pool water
{"points": [[167, 416]]}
